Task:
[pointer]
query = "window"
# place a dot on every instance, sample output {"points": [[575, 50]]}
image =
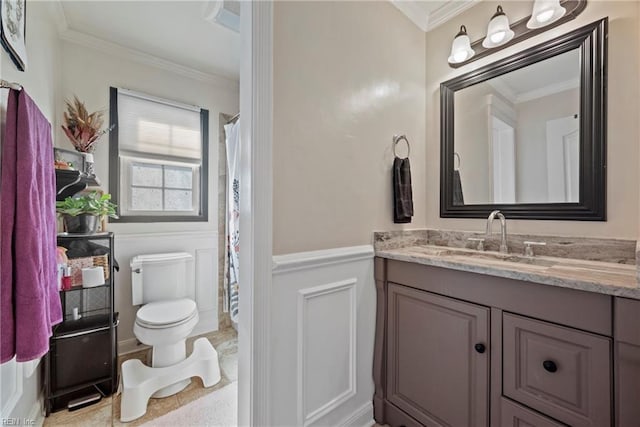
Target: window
{"points": [[158, 158]]}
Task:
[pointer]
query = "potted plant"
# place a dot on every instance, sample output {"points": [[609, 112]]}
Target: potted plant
{"points": [[82, 214], [83, 129]]}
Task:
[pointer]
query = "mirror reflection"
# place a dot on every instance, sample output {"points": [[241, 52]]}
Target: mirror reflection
{"points": [[517, 136]]}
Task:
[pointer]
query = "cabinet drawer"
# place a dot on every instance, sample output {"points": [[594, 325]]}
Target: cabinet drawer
{"points": [[559, 371], [514, 415]]}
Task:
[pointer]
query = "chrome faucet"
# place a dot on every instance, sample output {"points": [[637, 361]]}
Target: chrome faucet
{"points": [[503, 229]]}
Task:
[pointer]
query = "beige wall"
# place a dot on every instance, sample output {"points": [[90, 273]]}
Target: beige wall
{"points": [[42, 77], [623, 165], [88, 73], [347, 77]]}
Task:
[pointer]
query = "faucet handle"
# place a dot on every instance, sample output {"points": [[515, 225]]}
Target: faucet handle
{"points": [[480, 241], [528, 250]]}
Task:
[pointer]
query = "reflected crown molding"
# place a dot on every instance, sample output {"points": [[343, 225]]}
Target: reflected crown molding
{"points": [[548, 90]]}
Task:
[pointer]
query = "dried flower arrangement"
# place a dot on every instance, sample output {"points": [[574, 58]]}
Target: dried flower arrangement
{"points": [[82, 128]]}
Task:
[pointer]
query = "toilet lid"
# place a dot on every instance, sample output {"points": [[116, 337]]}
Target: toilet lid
{"points": [[167, 312]]}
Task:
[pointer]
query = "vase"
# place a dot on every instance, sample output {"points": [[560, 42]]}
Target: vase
{"points": [[81, 224], [89, 165]]}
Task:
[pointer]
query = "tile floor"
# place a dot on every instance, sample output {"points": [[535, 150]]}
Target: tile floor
{"points": [[107, 411]]}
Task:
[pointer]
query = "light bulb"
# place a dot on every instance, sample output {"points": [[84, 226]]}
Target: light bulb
{"points": [[497, 37], [460, 56], [544, 16]]}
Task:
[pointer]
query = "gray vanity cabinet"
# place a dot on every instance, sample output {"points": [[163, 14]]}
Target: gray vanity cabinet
{"points": [[437, 358], [464, 349]]}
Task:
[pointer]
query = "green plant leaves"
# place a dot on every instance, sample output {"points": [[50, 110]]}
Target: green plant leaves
{"points": [[92, 204]]}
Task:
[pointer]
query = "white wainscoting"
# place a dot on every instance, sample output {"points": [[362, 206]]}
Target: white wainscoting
{"points": [[323, 322], [20, 396], [203, 277]]}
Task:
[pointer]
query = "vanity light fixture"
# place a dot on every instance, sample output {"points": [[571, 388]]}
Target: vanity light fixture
{"points": [[461, 47], [498, 31], [545, 12]]}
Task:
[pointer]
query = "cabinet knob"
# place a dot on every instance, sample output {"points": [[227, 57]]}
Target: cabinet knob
{"points": [[480, 348], [550, 366]]}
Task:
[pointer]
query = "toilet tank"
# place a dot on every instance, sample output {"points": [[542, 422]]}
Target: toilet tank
{"points": [[159, 277]]}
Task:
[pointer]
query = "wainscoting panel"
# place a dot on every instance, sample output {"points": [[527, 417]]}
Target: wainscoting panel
{"points": [[202, 278], [318, 338], [323, 322], [20, 396]]}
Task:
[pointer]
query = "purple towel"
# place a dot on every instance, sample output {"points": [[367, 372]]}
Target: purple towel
{"points": [[29, 299]]}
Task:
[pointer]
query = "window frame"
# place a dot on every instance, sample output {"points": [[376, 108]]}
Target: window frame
{"points": [[116, 172]]}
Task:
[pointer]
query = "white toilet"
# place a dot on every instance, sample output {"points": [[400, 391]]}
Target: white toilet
{"points": [[159, 281], [164, 321]]}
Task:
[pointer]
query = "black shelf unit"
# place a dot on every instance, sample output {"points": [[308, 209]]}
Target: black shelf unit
{"points": [[82, 358], [70, 182]]}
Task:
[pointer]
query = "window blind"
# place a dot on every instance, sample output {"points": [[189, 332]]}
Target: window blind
{"points": [[146, 125]]}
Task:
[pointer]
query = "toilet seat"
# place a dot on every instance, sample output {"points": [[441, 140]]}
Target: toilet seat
{"points": [[166, 314]]}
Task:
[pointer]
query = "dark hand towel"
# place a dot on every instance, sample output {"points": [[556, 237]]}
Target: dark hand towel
{"points": [[402, 194], [458, 197]]}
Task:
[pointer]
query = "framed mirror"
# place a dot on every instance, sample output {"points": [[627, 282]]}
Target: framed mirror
{"points": [[527, 134]]}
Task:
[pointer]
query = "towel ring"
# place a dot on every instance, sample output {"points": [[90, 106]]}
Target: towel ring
{"points": [[398, 138], [456, 156]]}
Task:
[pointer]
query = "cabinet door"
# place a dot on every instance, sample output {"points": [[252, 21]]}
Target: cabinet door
{"points": [[437, 358]]}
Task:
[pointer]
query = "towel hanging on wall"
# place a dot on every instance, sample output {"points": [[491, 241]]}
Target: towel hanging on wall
{"points": [[402, 192], [458, 196], [29, 300]]}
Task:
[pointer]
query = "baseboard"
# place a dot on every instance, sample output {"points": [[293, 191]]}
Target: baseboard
{"points": [[130, 345], [362, 417]]}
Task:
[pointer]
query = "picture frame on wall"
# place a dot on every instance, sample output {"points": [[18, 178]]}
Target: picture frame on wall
{"points": [[13, 28]]}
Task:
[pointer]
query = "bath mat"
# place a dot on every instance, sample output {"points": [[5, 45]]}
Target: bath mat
{"points": [[219, 409]]}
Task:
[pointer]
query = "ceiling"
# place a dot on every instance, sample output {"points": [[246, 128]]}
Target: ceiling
{"points": [[428, 14], [176, 31]]}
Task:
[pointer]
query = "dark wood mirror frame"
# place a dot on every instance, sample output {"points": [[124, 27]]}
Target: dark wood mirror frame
{"points": [[592, 42]]}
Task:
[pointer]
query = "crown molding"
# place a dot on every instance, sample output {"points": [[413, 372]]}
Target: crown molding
{"points": [[428, 21], [413, 12], [87, 40], [448, 11], [59, 16]]}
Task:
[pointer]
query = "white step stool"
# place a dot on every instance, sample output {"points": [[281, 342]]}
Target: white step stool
{"points": [[139, 381]]}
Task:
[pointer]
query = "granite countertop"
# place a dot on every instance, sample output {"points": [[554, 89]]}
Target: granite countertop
{"points": [[586, 275]]}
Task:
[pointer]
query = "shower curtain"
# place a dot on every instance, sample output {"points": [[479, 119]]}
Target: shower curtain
{"points": [[232, 132]]}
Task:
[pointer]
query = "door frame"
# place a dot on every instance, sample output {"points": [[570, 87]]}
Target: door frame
{"points": [[256, 225]]}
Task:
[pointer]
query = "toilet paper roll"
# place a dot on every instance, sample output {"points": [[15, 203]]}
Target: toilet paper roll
{"points": [[92, 276]]}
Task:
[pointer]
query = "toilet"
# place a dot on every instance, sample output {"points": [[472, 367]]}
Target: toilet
{"points": [[159, 283], [167, 316]]}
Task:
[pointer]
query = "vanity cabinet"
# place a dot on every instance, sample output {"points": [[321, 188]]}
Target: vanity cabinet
{"points": [[438, 365], [456, 348]]}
